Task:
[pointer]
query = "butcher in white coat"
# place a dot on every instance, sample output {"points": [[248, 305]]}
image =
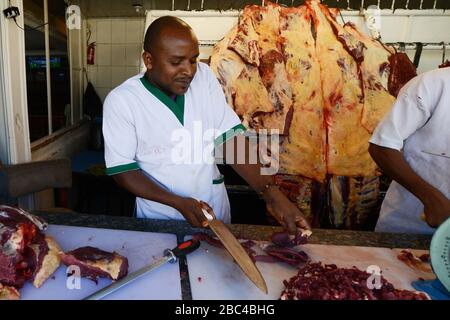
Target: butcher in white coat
{"points": [[412, 146]]}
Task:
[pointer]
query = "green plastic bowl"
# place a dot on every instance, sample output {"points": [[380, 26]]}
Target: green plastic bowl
{"points": [[440, 254]]}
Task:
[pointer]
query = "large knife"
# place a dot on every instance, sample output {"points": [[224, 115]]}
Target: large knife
{"points": [[235, 249]]}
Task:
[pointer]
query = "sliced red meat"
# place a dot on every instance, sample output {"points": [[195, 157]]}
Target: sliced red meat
{"points": [[13, 270], [95, 263], [287, 255], [283, 239], [200, 236], [18, 230], [328, 282], [419, 263], [282, 251], [46, 259]]}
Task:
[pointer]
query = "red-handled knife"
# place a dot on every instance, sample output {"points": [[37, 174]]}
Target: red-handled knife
{"points": [[170, 256]]}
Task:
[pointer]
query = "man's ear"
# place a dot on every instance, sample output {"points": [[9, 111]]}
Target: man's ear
{"points": [[147, 57]]}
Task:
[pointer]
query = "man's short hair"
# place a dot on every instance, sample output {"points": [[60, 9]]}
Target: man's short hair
{"points": [[156, 28]]}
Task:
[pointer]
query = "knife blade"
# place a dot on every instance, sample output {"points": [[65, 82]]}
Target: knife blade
{"points": [[235, 249], [170, 256]]}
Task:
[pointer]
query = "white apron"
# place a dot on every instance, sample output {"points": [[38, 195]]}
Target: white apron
{"points": [[174, 148]]}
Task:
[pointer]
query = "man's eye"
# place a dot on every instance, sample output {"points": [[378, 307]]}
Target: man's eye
{"points": [[176, 63]]}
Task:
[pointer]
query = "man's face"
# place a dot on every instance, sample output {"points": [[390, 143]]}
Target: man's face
{"points": [[173, 63]]}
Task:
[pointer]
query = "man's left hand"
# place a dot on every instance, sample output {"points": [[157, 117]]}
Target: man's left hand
{"points": [[284, 211], [437, 209]]}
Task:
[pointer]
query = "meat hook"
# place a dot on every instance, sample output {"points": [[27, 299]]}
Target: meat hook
{"points": [[443, 51], [419, 47]]}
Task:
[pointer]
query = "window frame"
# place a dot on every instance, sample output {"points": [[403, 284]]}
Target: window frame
{"points": [[74, 47]]}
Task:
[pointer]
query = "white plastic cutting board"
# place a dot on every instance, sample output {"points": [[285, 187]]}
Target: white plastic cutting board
{"points": [[214, 275], [141, 249]]}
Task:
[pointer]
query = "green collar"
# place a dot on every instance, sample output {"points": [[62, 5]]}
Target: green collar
{"points": [[177, 107]]}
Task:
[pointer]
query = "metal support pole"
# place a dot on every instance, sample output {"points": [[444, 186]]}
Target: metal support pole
{"points": [[48, 69], [80, 73], [69, 51]]}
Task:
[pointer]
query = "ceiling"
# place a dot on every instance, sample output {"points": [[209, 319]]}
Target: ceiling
{"points": [[124, 8]]}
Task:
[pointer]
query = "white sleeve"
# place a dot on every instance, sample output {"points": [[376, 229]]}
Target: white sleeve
{"points": [[226, 121], [119, 134], [410, 112]]}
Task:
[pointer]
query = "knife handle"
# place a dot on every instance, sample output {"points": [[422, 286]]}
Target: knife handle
{"points": [[208, 215], [185, 248]]}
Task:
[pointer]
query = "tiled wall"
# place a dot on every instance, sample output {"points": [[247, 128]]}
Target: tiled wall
{"points": [[119, 40], [117, 52]]}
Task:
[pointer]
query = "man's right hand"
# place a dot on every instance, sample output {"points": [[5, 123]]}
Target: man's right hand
{"points": [[192, 211], [437, 209]]}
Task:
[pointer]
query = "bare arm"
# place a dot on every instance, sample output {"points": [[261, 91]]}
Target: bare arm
{"points": [[278, 205], [138, 184], [392, 162]]}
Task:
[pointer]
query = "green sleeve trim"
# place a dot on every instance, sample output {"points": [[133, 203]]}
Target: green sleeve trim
{"points": [[121, 169], [177, 107], [219, 180], [239, 129]]}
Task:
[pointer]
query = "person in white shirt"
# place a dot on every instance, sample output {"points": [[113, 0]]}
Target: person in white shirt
{"points": [[412, 146], [151, 125]]}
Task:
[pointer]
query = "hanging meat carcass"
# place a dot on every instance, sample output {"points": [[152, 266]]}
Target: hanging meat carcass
{"points": [[375, 71], [325, 87], [343, 101], [402, 70], [303, 151], [241, 81]]}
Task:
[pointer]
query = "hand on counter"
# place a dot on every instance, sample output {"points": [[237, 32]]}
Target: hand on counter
{"points": [[284, 211], [437, 209]]}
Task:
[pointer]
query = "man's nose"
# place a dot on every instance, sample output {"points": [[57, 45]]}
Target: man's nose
{"points": [[188, 70]]}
